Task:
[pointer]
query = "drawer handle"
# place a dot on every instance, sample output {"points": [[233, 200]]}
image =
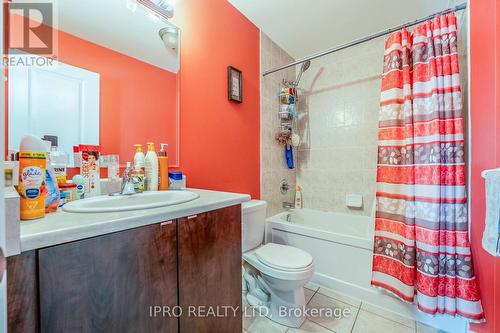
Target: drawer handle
{"points": [[192, 217], [165, 223]]}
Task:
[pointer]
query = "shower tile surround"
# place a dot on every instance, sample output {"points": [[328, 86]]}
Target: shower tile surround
{"points": [[338, 126], [273, 167], [338, 107]]}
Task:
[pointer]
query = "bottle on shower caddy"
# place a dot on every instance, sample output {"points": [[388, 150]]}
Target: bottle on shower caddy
{"points": [[298, 197]]}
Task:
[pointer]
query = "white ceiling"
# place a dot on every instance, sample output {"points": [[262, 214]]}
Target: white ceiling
{"points": [[304, 27], [112, 24]]}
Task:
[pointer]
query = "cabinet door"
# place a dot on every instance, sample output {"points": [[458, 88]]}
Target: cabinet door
{"points": [[109, 283], [210, 271], [22, 293]]}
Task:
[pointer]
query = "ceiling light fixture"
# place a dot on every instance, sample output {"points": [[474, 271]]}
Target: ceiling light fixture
{"points": [[170, 37], [162, 8]]}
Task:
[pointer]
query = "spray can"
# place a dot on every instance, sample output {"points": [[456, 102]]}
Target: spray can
{"points": [[31, 188]]}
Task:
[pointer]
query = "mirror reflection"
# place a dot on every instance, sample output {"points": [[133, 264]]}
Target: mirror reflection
{"points": [[112, 82]]}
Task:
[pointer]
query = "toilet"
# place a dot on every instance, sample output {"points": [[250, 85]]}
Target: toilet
{"points": [[275, 274]]}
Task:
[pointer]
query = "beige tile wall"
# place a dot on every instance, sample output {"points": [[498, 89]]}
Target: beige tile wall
{"points": [[273, 168], [339, 128]]}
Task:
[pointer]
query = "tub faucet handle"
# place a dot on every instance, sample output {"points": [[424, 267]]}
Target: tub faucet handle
{"points": [[284, 186], [288, 205]]}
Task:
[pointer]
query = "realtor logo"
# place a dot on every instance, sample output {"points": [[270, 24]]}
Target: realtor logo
{"points": [[31, 28]]}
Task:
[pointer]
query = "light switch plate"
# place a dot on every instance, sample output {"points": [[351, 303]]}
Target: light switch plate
{"points": [[354, 200]]}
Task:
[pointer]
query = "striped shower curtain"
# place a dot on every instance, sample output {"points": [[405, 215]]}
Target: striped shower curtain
{"points": [[421, 248]]}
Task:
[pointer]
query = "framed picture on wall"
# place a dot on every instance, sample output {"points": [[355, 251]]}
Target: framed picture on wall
{"points": [[234, 84]]}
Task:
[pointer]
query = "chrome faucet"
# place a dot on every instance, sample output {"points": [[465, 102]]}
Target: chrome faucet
{"points": [[128, 183], [288, 205]]}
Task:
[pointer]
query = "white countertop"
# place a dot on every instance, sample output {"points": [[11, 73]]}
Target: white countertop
{"points": [[62, 227]]}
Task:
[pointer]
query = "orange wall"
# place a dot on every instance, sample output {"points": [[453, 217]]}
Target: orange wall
{"points": [[138, 101], [485, 144], [220, 140]]}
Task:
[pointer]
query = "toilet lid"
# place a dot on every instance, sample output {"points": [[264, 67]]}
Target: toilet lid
{"points": [[283, 256]]}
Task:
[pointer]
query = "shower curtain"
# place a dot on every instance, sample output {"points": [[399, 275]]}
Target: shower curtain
{"points": [[421, 249]]}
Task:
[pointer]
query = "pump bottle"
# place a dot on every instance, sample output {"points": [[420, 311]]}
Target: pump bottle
{"points": [[163, 167]]}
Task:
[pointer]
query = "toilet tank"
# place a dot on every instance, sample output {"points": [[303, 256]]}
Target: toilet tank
{"points": [[253, 220]]}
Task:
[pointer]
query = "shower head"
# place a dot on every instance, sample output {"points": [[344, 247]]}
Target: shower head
{"points": [[305, 65], [303, 68]]}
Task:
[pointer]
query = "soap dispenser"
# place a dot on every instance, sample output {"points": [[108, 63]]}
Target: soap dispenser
{"points": [[163, 167], [151, 168]]}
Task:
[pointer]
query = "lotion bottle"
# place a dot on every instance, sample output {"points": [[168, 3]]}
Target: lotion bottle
{"points": [[138, 157], [163, 167], [139, 169], [151, 168]]}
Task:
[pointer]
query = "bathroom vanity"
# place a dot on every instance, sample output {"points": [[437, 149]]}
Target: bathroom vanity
{"points": [[131, 271]]}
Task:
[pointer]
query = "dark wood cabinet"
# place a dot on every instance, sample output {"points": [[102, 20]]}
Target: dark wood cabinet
{"points": [[111, 283], [22, 293], [210, 270]]}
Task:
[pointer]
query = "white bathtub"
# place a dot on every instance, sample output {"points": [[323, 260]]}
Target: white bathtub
{"points": [[341, 245]]}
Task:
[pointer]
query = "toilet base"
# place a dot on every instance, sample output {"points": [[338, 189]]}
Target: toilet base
{"points": [[286, 307], [288, 314]]}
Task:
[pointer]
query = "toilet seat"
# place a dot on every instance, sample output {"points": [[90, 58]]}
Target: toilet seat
{"points": [[283, 257], [274, 267]]}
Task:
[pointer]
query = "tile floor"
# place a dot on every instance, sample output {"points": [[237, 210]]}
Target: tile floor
{"points": [[363, 318]]}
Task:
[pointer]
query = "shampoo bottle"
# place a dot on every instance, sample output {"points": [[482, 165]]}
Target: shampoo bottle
{"points": [[298, 197], [151, 168], [163, 167]]}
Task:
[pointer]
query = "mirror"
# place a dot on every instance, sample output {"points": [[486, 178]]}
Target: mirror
{"points": [[110, 79]]}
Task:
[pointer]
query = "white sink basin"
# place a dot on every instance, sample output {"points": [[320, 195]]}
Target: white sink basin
{"points": [[105, 203]]}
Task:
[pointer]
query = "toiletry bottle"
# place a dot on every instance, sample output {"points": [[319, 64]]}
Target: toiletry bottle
{"points": [[139, 159], [138, 175], [58, 159], [79, 181], [298, 197], [139, 169], [8, 171], [163, 167], [77, 157], [52, 194], [31, 188], [151, 168]]}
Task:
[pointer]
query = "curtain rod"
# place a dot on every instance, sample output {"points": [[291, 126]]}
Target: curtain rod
{"points": [[367, 38]]}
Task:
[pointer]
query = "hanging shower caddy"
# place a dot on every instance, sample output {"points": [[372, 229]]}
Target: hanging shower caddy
{"points": [[287, 114]]}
